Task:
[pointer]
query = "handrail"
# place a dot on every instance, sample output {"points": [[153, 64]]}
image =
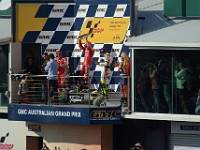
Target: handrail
{"points": [[37, 91]]}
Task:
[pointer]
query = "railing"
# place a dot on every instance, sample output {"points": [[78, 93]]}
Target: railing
{"points": [[75, 91]]}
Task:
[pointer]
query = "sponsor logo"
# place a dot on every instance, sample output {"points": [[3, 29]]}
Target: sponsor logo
{"points": [[22, 111], [72, 37], [76, 98], [77, 50], [189, 127], [65, 23], [101, 9], [44, 37], [115, 50], [58, 10], [105, 114], [5, 146], [98, 30], [82, 10], [116, 37], [120, 9], [105, 30], [3, 138], [51, 50]]}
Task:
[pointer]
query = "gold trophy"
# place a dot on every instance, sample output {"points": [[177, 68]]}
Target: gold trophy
{"points": [[84, 36]]}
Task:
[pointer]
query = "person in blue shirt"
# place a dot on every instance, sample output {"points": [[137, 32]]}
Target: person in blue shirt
{"points": [[52, 69]]}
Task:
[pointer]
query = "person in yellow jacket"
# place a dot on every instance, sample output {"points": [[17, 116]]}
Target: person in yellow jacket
{"points": [[105, 63]]}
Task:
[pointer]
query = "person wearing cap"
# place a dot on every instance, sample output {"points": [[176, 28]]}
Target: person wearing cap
{"points": [[89, 52], [105, 64], [62, 69]]}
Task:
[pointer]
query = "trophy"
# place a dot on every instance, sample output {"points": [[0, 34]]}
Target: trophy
{"points": [[84, 36]]}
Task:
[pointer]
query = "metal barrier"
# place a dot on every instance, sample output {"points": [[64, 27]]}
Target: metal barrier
{"points": [[75, 91]]}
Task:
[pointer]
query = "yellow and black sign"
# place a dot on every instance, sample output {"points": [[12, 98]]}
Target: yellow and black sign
{"points": [[105, 30], [105, 114]]}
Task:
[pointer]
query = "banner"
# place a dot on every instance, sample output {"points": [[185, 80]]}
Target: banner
{"points": [[65, 114], [105, 30]]}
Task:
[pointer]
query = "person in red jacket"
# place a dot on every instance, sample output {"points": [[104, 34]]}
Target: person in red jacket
{"points": [[89, 52], [62, 68]]}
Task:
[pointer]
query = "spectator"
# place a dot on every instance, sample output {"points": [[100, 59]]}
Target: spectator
{"points": [[52, 69], [30, 67], [155, 86], [46, 60], [181, 77]]}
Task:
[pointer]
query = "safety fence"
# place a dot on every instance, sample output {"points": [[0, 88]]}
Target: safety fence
{"points": [[67, 90]]}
